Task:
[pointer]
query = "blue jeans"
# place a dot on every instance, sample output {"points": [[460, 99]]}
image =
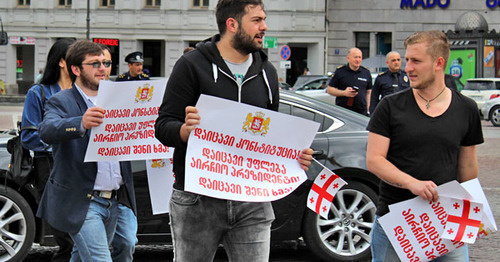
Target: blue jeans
{"points": [[382, 249], [125, 237], [200, 223], [93, 240]]}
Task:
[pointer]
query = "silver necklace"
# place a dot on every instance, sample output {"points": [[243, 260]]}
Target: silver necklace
{"points": [[430, 100]]}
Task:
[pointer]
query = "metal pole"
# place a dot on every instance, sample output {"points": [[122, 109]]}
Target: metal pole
{"points": [[88, 19]]}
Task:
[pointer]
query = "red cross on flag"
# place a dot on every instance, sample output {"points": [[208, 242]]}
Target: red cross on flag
{"points": [[325, 186], [464, 220]]}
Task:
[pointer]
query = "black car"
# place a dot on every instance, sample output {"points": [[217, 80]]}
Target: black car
{"points": [[340, 144]]}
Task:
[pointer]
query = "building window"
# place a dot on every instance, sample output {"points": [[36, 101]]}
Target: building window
{"points": [[64, 3], [107, 3], [200, 3], [23, 3], [363, 43], [152, 3]]}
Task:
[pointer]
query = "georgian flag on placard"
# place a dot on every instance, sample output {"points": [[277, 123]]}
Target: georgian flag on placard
{"points": [[464, 220], [325, 186]]}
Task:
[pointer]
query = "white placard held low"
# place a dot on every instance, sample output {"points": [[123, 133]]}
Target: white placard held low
{"points": [[245, 153], [160, 183], [127, 132]]}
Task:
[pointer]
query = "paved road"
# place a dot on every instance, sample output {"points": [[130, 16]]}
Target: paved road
{"points": [[483, 250]]}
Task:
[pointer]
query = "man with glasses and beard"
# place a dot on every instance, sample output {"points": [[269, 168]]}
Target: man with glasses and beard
{"points": [[80, 198], [230, 65]]}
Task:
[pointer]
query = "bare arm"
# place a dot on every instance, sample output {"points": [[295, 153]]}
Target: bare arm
{"points": [[349, 91], [467, 163], [377, 163], [368, 97]]}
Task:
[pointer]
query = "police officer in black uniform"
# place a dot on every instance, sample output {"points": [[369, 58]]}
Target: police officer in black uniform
{"points": [[135, 72], [390, 81], [352, 83]]}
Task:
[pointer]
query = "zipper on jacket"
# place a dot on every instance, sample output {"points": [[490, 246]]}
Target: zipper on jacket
{"points": [[236, 82]]}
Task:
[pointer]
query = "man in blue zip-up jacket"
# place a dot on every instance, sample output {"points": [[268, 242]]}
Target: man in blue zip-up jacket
{"points": [[230, 66]]}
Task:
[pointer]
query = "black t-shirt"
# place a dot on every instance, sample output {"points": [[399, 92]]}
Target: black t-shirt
{"points": [[344, 77], [425, 147]]}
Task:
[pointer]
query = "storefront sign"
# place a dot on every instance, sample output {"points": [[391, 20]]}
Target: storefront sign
{"points": [[426, 4], [21, 40], [270, 42], [413, 4], [107, 41]]}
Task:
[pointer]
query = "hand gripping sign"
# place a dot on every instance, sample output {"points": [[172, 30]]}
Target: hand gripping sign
{"points": [[245, 153]]}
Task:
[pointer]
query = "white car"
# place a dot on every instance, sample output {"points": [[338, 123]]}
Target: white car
{"points": [[482, 89], [314, 86], [491, 111]]}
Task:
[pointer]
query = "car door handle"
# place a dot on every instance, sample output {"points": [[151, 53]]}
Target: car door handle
{"points": [[318, 152]]}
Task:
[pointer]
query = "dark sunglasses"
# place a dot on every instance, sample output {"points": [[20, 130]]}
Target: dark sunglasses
{"points": [[98, 64]]}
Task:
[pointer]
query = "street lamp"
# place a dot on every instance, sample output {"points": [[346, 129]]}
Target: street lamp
{"points": [[88, 19], [4, 39]]}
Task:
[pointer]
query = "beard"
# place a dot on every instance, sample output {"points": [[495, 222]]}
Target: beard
{"points": [[425, 83], [244, 43], [88, 82]]}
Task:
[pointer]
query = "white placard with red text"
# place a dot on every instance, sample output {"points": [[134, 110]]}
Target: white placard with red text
{"points": [[160, 182], [415, 226], [127, 132], [245, 153]]}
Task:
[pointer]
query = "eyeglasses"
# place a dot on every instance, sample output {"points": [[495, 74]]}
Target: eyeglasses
{"points": [[98, 64]]}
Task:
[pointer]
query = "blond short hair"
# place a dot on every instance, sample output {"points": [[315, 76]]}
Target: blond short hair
{"points": [[438, 44]]}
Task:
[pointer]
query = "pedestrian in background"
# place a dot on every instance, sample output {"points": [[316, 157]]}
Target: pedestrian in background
{"points": [[352, 84], [135, 68], [421, 137], [187, 49], [233, 66], [55, 78], [39, 76], [83, 198], [390, 81]]}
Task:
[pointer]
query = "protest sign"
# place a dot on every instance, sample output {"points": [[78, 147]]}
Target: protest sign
{"points": [[127, 131], [415, 227], [160, 182], [488, 224], [245, 153]]}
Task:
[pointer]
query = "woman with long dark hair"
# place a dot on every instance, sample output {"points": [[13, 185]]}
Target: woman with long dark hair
{"points": [[55, 78]]}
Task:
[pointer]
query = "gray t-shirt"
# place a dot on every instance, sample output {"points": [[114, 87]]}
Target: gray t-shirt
{"points": [[239, 70]]}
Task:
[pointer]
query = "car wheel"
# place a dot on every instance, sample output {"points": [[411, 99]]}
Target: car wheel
{"points": [[17, 225], [345, 235], [495, 116]]}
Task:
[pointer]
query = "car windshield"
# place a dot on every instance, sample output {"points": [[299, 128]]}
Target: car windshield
{"points": [[479, 85]]}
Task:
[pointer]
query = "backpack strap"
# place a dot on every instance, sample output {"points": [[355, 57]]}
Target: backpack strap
{"points": [[43, 94]]}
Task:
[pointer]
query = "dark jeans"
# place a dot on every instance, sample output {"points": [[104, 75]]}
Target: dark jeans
{"points": [[200, 223]]}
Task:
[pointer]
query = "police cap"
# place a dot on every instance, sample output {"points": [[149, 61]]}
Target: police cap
{"points": [[134, 57]]}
